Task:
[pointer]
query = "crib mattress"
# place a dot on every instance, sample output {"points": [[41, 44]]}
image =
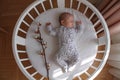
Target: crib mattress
{"points": [[86, 43]]}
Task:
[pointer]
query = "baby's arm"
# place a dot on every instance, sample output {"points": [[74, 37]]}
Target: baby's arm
{"points": [[50, 29], [78, 26]]}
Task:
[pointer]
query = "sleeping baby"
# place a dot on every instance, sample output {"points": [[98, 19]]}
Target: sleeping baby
{"points": [[67, 55]]}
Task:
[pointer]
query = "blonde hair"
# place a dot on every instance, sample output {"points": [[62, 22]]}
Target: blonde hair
{"points": [[64, 15]]}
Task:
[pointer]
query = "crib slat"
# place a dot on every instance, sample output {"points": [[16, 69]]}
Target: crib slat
{"points": [[91, 16], [85, 10], [87, 74], [93, 67], [71, 1], [100, 51], [51, 4], [36, 10], [96, 22], [20, 51], [42, 78], [34, 73], [101, 40], [25, 59], [28, 67], [26, 23], [98, 59], [20, 40], [78, 5], [79, 77], [43, 6], [30, 16], [100, 30], [22, 30], [61, 3]]}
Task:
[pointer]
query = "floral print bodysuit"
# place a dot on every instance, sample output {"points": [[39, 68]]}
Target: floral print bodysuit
{"points": [[67, 55]]}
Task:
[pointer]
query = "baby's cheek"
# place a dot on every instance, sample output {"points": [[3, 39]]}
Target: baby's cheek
{"points": [[70, 23]]}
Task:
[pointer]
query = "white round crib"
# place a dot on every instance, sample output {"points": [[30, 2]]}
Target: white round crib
{"points": [[93, 43]]}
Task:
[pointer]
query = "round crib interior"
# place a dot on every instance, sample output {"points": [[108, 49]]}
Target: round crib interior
{"points": [[93, 43]]}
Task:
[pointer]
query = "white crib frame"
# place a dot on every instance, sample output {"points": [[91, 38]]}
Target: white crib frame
{"points": [[102, 40]]}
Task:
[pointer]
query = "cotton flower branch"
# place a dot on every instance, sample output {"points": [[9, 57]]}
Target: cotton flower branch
{"points": [[44, 46]]}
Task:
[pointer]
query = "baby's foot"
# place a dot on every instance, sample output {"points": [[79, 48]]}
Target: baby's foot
{"points": [[65, 69]]}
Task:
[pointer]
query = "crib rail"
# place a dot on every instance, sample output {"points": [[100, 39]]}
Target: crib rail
{"points": [[40, 6]]}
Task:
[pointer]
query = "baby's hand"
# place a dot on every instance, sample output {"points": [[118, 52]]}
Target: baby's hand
{"points": [[78, 22], [48, 23]]}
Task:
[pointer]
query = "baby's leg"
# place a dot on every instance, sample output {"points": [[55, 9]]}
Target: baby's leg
{"points": [[63, 64]]}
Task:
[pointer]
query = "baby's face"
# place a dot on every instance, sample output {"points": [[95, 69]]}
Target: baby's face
{"points": [[69, 22]]}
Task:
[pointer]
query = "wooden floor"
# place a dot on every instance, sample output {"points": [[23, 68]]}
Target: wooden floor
{"points": [[9, 13]]}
